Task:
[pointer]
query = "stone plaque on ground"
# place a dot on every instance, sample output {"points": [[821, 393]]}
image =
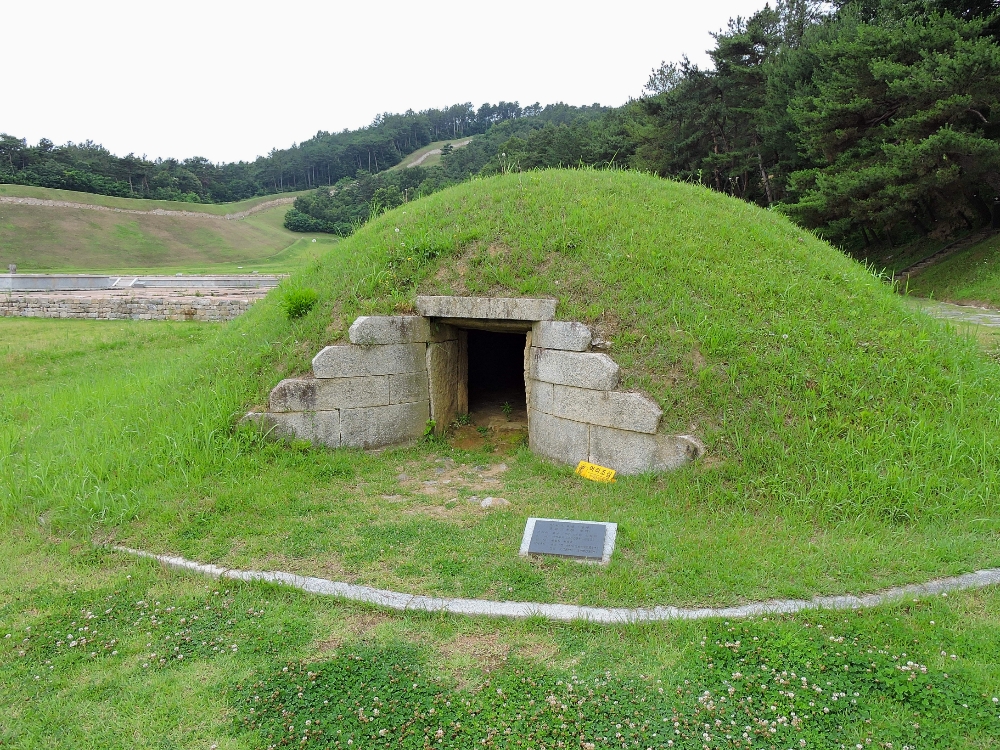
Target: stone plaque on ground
{"points": [[582, 540]]}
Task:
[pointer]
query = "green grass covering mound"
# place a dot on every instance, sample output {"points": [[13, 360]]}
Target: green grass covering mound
{"points": [[808, 379], [68, 238], [852, 442]]}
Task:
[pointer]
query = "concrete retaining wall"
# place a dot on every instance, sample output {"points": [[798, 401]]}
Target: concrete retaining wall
{"points": [[400, 371], [51, 282]]}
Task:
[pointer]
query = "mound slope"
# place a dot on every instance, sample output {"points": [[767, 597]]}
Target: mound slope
{"points": [[851, 442], [786, 357]]}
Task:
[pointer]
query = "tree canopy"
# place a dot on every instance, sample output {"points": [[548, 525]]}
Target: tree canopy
{"points": [[880, 116]]}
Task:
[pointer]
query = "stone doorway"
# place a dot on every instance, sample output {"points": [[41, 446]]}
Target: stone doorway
{"points": [[462, 359], [496, 382]]}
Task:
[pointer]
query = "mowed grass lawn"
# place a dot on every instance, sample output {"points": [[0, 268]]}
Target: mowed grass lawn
{"points": [[100, 650], [848, 450], [64, 239], [69, 389]]}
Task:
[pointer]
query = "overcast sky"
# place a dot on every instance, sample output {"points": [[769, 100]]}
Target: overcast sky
{"points": [[229, 81]]}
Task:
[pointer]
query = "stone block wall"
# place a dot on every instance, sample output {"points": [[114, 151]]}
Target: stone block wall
{"points": [[372, 392], [574, 413], [124, 306], [400, 371]]}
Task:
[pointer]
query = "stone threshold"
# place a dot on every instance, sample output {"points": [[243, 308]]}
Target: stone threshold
{"points": [[569, 612]]}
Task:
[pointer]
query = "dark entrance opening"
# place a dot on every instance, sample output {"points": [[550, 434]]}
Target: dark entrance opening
{"points": [[496, 377]]}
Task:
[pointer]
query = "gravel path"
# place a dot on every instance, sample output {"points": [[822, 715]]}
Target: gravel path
{"points": [[569, 612], [154, 212], [983, 316]]}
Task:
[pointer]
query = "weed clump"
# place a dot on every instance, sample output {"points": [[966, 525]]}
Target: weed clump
{"points": [[298, 302]]}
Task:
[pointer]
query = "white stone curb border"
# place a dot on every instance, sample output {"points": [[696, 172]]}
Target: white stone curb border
{"points": [[569, 612]]}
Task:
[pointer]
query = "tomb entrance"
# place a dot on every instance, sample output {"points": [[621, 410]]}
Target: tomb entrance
{"points": [[496, 377], [502, 363]]}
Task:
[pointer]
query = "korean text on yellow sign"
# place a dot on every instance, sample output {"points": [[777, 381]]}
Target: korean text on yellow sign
{"points": [[594, 472]]}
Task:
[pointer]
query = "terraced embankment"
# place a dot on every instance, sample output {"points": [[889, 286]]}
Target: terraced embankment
{"points": [[56, 230]]}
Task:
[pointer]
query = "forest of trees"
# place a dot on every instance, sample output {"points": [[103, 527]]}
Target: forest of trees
{"points": [[561, 135], [324, 159], [871, 121]]}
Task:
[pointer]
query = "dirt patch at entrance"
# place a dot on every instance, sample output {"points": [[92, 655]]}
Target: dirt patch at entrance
{"points": [[453, 491], [495, 424], [497, 436]]}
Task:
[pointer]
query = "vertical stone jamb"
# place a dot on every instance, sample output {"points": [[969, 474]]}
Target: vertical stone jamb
{"points": [[463, 371], [527, 370]]}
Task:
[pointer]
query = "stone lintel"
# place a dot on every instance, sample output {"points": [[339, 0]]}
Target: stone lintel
{"points": [[493, 308], [487, 324], [350, 360], [579, 369]]}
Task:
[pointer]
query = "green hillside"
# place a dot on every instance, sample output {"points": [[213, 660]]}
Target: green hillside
{"points": [[836, 419], [851, 446], [423, 156], [53, 238]]}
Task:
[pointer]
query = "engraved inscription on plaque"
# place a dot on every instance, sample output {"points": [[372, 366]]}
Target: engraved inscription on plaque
{"points": [[585, 541], [568, 539]]}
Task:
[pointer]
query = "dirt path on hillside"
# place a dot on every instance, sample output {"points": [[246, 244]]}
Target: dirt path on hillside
{"points": [[155, 212], [433, 151]]}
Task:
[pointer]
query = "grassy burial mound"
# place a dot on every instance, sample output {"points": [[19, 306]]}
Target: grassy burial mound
{"points": [[851, 442], [68, 231]]}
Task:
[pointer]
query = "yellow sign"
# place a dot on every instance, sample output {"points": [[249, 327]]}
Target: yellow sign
{"points": [[594, 472]]}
